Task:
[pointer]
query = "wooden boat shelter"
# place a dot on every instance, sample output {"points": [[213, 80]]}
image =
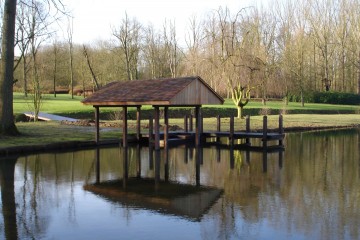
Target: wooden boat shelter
{"points": [[160, 93]]}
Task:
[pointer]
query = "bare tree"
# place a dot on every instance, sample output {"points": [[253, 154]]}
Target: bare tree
{"points": [[71, 55], [171, 48], [128, 36], [56, 50], [94, 78]]}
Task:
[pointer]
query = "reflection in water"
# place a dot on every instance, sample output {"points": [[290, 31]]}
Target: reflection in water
{"points": [[310, 191]]}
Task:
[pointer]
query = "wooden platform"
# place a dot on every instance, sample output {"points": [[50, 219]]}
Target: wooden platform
{"points": [[180, 138]]}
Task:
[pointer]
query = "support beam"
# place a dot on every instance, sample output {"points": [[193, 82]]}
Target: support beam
{"points": [[124, 128], [151, 131], [157, 128], [281, 129], [197, 126], [138, 123], [265, 131], [218, 126], [191, 123], [231, 136], [247, 128], [186, 125], [166, 127], [97, 130]]}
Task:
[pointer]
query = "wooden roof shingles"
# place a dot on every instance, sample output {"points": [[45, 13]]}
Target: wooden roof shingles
{"points": [[167, 91]]}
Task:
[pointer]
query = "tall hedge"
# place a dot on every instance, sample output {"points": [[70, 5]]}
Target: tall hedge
{"points": [[330, 98]]}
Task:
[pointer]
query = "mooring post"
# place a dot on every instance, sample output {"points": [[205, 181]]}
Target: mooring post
{"points": [[265, 130], [197, 125], [218, 127], [124, 130], [247, 119], [281, 129], [151, 130], [138, 123], [231, 136], [186, 126], [97, 131]]}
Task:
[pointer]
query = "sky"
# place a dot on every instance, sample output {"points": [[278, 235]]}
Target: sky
{"points": [[94, 19]]}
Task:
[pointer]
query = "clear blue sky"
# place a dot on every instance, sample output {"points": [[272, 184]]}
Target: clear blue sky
{"points": [[93, 19]]}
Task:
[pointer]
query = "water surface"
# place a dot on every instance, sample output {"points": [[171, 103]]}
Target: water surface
{"points": [[310, 191]]}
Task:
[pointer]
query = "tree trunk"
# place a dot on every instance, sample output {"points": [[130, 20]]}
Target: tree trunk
{"points": [[7, 65], [240, 112]]}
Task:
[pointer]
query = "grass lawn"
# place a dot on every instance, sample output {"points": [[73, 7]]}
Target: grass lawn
{"points": [[64, 105], [53, 132]]}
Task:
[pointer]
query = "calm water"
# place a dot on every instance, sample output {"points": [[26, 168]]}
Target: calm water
{"points": [[311, 191]]}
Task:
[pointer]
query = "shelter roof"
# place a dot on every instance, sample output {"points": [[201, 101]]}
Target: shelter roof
{"points": [[184, 91]]}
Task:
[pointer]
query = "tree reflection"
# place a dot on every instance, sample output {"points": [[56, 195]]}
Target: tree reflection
{"points": [[310, 190], [7, 168]]}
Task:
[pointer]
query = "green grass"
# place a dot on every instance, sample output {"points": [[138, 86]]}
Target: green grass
{"points": [[53, 132], [64, 105]]}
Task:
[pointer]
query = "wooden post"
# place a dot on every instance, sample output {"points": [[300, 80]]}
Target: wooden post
{"points": [[138, 123], [124, 130], [157, 128], [186, 126], [247, 128], [191, 123], [166, 126], [218, 123], [151, 130], [197, 125], [166, 165], [265, 130], [166, 136], [97, 130], [218, 126], [231, 136], [281, 129]]}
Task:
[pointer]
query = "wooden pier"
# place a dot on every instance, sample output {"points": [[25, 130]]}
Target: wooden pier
{"points": [[174, 138]]}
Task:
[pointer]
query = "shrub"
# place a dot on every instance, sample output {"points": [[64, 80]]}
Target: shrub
{"points": [[329, 98], [336, 98]]}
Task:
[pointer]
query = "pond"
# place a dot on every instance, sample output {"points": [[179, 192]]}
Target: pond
{"points": [[309, 191]]}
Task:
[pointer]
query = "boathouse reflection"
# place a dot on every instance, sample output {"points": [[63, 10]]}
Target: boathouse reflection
{"points": [[156, 193]]}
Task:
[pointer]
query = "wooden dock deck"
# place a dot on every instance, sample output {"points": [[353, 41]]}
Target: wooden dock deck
{"points": [[174, 138]]}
